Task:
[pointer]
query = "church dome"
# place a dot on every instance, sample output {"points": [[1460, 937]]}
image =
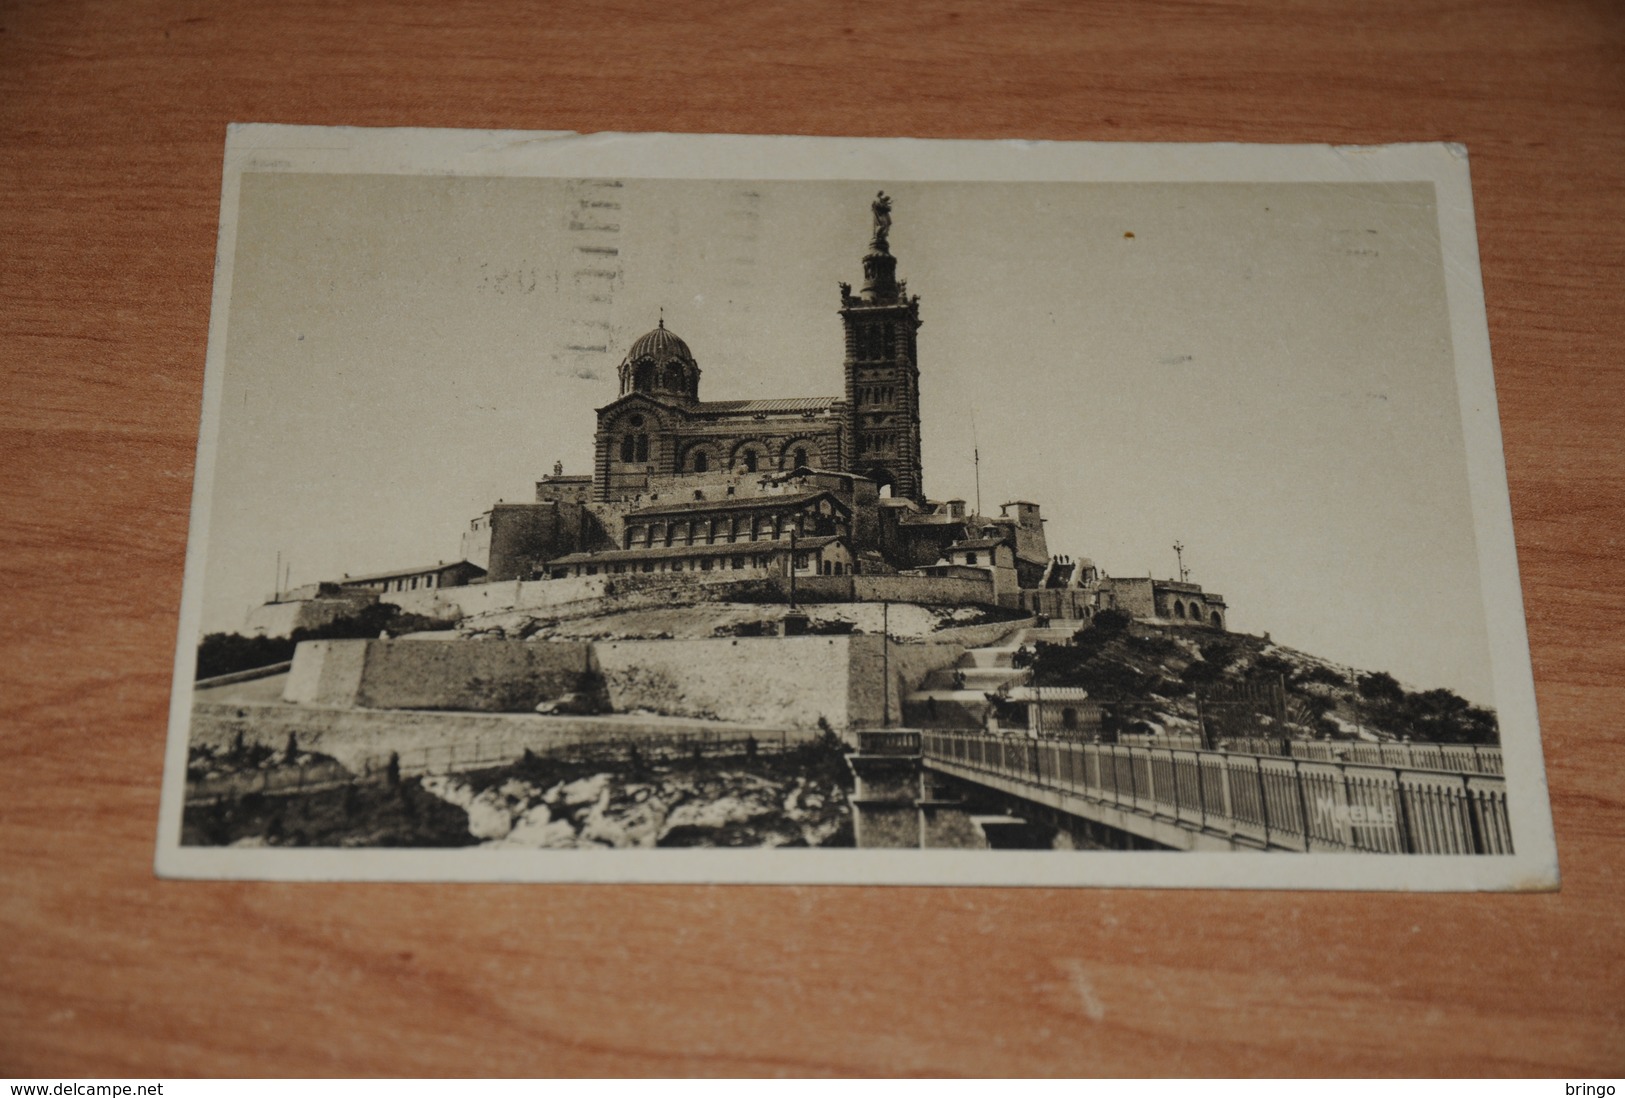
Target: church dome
{"points": [[661, 364], [660, 345]]}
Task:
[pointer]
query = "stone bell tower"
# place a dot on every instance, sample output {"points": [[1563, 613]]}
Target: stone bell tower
{"points": [[882, 370]]}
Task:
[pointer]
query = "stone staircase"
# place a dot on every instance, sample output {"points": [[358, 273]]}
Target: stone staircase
{"points": [[956, 697]]}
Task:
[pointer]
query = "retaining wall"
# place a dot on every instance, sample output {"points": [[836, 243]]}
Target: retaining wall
{"points": [[356, 737], [778, 682], [491, 676], [790, 682]]}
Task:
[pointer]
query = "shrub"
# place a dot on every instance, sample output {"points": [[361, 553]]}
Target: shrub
{"points": [[1381, 687], [1111, 622], [227, 653]]}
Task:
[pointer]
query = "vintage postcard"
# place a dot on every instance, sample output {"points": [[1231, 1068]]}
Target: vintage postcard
{"points": [[644, 507]]}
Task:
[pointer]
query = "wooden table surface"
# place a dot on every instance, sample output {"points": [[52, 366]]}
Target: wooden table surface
{"points": [[112, 122]]}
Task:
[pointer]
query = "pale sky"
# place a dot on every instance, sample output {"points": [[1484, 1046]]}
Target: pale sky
{"points": [[1261, 371]]}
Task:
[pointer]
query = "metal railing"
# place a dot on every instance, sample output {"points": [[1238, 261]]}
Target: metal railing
{"points": [[483, 753], [1270, 802], [1468, 758], [311, 777], [888, 743]]}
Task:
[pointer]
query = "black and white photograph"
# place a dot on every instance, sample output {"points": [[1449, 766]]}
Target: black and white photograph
{"points": [[752, 509]]}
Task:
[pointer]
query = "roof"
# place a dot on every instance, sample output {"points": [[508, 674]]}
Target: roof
{"points": [[733, 503], [660, 345], [978, 543], [400, 572], [1048, 694], [682, 552], [767, 407]]}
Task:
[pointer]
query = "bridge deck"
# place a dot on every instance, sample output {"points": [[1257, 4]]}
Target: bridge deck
{"points": [[1266, 802]]}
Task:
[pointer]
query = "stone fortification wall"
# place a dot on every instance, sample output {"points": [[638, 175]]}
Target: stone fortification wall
{"points": [[925, 590], [358, 738], [981, 636], [481, 676], [327, 672], [1058, 603], [1131, 595], [907, 665], [578, 595], [789, 681], [779, 682], [280, 619]]}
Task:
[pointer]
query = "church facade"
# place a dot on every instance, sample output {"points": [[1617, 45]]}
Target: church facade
{"points": [[658, 427]]}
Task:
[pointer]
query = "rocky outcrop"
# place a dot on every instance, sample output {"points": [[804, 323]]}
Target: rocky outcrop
{"points": [[673, 807]]}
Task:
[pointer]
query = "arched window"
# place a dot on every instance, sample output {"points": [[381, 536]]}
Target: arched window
{"points": [[1218, 622], [628, 449], [643, 448], [751, 460], [1179, 609], [801, 456], [702, 461], [645, 376]]}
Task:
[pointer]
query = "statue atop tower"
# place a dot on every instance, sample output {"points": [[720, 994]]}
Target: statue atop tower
{"points": [[882, 211], [882, 373]]}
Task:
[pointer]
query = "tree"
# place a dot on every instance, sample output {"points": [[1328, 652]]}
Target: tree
{"points": [[1381, 688], [1112, 621]]}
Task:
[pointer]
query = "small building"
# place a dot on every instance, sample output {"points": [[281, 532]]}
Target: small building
{"points": [[457, 574], [814, 556], [728, 521], [993, 556], [1165, 602], [1059, 712]]}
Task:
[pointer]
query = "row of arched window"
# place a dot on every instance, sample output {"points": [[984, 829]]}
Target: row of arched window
{"points": [[672, 380], [876, 340], [634, 449], [722, 531], [1196, 613], [751, 459]]}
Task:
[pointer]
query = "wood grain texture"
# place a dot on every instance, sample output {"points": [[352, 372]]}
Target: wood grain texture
{"points": [[112, 122]]}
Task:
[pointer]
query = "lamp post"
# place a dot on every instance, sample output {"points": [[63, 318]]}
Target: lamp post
{"points": [[885, 664]]}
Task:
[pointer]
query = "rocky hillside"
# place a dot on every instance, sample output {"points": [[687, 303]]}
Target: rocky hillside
{"points": [[1151, 680], [797, 798], [729, 619]]}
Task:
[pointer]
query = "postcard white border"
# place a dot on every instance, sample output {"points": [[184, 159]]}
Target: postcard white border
{"points": [[276, 148]]}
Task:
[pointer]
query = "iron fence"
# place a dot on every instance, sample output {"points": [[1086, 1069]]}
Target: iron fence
{"points": [[888, 743], [1272, 802], [1467, 758], [484, 753]]}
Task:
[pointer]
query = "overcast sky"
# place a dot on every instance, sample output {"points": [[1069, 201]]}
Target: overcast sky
{"points": [[1262, 372]]}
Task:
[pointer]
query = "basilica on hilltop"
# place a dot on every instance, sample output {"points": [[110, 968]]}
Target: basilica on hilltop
{"points": [[816, 486]]}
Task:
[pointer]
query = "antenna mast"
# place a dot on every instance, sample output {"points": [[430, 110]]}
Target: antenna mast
{"points": [[976, 458], [1179, 554]]}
